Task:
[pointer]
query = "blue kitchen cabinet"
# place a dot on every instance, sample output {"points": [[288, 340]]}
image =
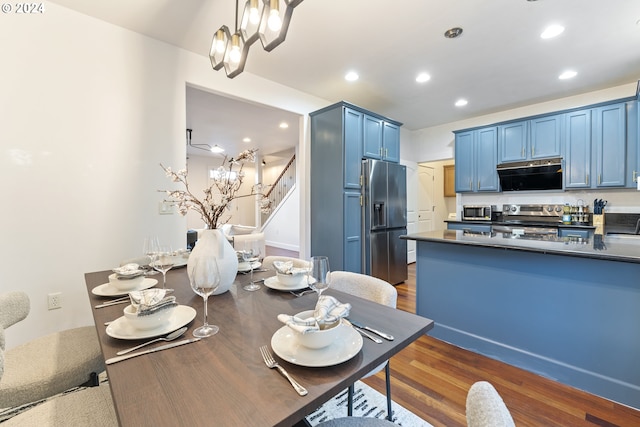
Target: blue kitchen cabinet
{"points": [[353, 132], [476, 228], [513, 141], [381, 139], [577, 148], [391, 142], [609, 138], [537, 138], [372, 142], [545, 136], [476, 159], [352, 232]]}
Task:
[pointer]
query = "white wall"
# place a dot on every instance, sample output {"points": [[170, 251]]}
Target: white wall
{"points": [[88, 112]]}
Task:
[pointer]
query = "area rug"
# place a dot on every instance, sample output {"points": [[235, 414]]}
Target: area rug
{"points": [[367, 402]]}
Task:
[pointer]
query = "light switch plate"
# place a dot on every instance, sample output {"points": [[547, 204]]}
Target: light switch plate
{"points": [[165, 208]]}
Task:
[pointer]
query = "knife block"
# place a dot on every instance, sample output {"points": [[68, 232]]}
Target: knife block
{"points": [[598, 222]]}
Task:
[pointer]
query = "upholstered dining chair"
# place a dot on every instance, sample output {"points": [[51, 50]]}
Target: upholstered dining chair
{"points": [[47, 365], [485, 407], [372, 289], [268, 261], [89, 406]]}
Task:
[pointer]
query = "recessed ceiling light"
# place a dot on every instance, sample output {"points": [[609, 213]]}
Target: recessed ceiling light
{"points": [[569, 74], [452, 33], [552, 31], [351, 76], [247, 139], [284, 125], [461, 102], [423, 77]]}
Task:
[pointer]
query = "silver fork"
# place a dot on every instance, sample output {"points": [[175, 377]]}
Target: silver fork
{"points": [[271, 363], [302, 292]]}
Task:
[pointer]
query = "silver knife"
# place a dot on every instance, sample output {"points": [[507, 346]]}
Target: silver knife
{"points": [[375, 331], [151, 350], [363, 333]]}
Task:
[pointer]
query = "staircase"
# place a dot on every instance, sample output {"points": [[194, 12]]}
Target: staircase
{"points": [[280, 189]]}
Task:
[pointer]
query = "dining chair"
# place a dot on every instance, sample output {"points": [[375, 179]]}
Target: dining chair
{"points": [[485, 407], [87, 406], [267, 262], [372, 289], [47, 365]]}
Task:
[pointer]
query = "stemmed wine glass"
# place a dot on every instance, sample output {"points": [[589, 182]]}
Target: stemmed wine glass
{"points": [[163, 262], [251, 254], [319, 277], [150, 248], [205, 279]]}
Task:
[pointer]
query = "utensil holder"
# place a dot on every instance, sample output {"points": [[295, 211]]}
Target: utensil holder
{"points": [[598, 222]]}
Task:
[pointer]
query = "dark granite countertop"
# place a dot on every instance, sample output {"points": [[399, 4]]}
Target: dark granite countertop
{"points": [[596, 246], [530, 223]]}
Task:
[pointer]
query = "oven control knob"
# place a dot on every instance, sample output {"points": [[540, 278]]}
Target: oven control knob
{"points": [[558, 208], [549, 208], [513, 208]]}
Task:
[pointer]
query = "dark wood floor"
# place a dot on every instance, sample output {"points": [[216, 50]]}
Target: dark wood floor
{"points": [[431, 378]]}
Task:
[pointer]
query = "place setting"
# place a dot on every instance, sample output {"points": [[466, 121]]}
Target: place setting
{"points": [[288, 278], [319, 337], [127, 278]]}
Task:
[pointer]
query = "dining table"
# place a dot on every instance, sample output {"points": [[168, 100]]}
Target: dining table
{"points": [[222, 380]]}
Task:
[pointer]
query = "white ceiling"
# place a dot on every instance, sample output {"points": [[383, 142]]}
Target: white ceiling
{"points": [[498, 63]]}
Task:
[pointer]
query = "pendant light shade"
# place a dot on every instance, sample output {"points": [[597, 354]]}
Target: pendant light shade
{"points": [[267, 20], [219, 46]]}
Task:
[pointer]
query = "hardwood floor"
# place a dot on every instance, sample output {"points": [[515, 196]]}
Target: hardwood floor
{"points": [[431, 378]]}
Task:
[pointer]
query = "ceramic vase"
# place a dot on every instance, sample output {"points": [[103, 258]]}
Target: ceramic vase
{"points": [[213, 243]]}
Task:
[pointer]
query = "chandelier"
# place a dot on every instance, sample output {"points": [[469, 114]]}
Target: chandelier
{"points": [[267, 20]]}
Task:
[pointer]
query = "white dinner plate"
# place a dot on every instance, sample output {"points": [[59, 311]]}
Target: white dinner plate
{"points": [[287, 347], [106, 290], [274, 283], [122, 329], [243, 267]]}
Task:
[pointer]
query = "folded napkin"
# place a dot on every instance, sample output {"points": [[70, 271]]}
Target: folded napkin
{"points": [[286, 267], [328, 310], [151, 301], [128, 271]]}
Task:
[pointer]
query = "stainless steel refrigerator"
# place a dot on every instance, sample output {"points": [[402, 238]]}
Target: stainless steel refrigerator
{"points": [[384, 220]]}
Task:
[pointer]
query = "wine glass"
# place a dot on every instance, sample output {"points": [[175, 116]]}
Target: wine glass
{"points": [[150, 248], [319, 277], [251, 254], [205, 279], [163, 262]]}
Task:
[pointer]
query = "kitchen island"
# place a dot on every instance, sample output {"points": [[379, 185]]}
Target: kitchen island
{"points": [[565, 308]]}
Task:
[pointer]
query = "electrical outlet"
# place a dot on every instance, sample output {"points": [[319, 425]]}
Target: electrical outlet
{"points": [[55, 300]]}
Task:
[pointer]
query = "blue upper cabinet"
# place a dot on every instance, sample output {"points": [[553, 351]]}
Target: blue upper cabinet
{"points": [[545, 136], [372, 144], [391, 142], [538, 138], [513, 141], [381, 139], [609, 138], [476, 160], [577, 158]]}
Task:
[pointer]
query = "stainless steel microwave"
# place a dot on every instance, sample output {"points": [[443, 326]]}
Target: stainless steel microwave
{"points": [[477, 212]]}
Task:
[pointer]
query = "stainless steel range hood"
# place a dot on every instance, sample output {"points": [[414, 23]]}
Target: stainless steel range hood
{"points": [[542, 174]]}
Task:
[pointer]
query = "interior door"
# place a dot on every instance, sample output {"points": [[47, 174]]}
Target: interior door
{"points": [[426, 205]]}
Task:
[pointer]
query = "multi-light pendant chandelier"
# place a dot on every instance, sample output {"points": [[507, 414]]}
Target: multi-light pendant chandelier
{"points": [[267, 20]]}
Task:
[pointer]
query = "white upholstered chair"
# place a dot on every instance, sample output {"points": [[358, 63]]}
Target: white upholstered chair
{"points": [[485, 407], [50, 365], [372, 289]]}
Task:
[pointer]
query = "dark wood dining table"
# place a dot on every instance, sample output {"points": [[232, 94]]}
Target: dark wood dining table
{"points": [[222, 380]]}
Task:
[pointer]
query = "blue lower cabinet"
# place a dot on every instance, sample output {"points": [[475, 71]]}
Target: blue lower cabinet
{"points": [[478, 228]]}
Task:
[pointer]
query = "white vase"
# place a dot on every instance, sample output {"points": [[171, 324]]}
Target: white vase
{"points": [[213, 243]]}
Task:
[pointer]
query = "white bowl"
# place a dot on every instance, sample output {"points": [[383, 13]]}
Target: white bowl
{"points": [[291, 279], [322, 338], [125, 284], [149, 321]]}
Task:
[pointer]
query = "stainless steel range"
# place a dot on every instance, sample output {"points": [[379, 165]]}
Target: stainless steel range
{"points": [[537, 221]]}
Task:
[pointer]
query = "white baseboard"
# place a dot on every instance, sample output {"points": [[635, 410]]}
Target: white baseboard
{"points": [[281, 245]]}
